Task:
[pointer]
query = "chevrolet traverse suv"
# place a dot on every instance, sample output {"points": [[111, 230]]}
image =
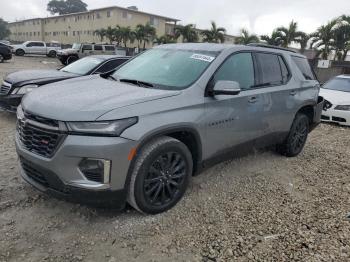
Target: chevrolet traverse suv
{"points": [[139, 134]]}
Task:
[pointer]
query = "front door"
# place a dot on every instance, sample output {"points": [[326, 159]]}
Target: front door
{"points": [[234, 121]]}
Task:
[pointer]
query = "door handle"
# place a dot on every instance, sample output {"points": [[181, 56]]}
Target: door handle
{"points": [[253, 99], [293, 92]]}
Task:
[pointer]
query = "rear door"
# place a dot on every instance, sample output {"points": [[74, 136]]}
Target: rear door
{"points": [[86, 50], [277, 95], [98, 50]]}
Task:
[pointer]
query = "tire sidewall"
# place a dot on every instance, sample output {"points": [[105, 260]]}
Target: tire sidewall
{"points": [[20, 52], [140, 200], [1, 58], [297, 120], [52, 54]]}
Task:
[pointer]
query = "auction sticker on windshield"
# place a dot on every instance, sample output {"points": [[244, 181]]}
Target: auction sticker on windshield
{"points": [[205, 58]]}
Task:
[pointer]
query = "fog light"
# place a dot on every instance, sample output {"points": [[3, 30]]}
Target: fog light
{"points": [[97, 170]]}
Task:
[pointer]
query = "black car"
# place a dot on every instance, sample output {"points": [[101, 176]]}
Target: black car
{"points": [[5, 52], [17, 84]]}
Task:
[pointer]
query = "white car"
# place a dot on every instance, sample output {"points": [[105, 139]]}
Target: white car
{"points": [[336, 93]]}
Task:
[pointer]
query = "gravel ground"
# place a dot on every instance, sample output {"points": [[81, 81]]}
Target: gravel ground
{"points": [[262, 207]]}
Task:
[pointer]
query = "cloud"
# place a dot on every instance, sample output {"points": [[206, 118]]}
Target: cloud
{"points": [[259, 16]]}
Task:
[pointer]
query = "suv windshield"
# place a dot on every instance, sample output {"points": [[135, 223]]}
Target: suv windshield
{"points": [[166, 68], [82, 66], [339, 84], [76, 46]]}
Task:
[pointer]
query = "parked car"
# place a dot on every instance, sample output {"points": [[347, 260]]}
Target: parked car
{"points": [[17, 84], [5, 52], [141, 133], [67, 56], [336, 93], [37, 48], [6, 42]]}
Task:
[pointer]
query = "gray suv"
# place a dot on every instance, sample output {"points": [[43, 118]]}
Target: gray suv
{"points": [[138, 135]]}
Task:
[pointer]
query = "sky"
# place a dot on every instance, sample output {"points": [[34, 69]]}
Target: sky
{"points": [[259, 16]]}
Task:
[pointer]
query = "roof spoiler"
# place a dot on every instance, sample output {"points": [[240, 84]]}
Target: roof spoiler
{"points": [[271, 46]]}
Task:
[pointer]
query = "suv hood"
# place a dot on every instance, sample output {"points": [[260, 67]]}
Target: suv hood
{"points": [[336, 97], [67, 51], [87, 98], [36, 76]]}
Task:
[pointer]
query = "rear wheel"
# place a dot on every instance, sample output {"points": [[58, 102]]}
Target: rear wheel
{"points": [[160, 175], [297, 137], [20, 52], [71, 59], [52, 54], [1, 58]]}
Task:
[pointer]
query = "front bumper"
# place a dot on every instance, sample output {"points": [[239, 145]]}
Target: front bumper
{"points": [[336, 116], [60, 175], [10, 102]]}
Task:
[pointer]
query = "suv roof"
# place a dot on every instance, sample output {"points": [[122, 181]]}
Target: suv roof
{"points": [[212, 47]]}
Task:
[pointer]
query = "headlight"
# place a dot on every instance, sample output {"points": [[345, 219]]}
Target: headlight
{"points": [[24, 89], [343, 107], [107, 128]]}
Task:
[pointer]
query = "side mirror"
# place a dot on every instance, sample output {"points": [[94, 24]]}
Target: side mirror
{"points": [[230, 88]]}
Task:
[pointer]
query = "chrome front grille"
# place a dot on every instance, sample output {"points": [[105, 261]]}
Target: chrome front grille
{"points": [[5, 88]]}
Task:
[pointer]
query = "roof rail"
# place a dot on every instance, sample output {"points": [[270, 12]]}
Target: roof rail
{"points": [[271, 46]]}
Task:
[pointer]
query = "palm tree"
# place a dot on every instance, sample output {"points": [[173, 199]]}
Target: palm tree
{"points": [[323, 39], [188, 33], [101, 33], [342, 37], [126, 35], [289, 34], [110, 34], [165, 39], [140, 34], [275, 39], [303, 41], [117, 35], [215, 34], [246, 38]]}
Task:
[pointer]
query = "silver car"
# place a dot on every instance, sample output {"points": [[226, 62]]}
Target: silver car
{"points": [[139, 134]]}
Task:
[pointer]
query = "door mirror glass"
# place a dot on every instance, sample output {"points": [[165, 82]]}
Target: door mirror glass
{"points": [[223, 87]]}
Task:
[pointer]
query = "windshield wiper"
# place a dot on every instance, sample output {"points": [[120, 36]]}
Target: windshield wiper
{"points": [[109, 77], [136, 82]]}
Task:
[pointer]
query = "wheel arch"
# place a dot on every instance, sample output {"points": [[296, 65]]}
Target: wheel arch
{"points": [[308, 110]]}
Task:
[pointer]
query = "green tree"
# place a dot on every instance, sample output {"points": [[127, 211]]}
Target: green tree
{"points": [[101, 33], [290, 34], [275, 39], [4, 31], [214, 34], [246, 38], [303, 41], [341, 34], [323, 39], [62, 7], [165, 39], [144, 33], [110, 34], [126, 34], [188, 33]]}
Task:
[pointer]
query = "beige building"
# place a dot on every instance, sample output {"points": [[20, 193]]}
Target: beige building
{"points": [[80, 27]]}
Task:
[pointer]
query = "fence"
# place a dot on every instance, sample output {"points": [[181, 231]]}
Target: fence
{"points": [[336, 68]]}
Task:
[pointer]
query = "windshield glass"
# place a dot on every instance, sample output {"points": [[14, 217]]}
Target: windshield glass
{"points": [[339, 84], [167, 68], [76, 46], [82, 66]]}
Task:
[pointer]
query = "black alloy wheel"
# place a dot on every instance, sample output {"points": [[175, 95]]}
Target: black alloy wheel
{"points": [[164, 179]]}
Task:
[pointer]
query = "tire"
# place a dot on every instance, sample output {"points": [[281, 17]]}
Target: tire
{"points": [[20, 52], [1, 58], [171, 163], [71, 59], [297, 137], [52, 54]]}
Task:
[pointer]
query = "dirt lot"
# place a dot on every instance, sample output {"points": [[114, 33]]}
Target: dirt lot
{"points": [[261, 207]]}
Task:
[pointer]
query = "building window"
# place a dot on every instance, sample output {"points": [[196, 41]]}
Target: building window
{"points": [[154, 21], [125, 14], [73, 33], [108, 13], [98, 16]]}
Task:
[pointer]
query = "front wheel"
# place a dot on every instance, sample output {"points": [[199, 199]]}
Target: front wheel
{"points": [[20, 52], [52, 54], [160, 175], [297, 137]]}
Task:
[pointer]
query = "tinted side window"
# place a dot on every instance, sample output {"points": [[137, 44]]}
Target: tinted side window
{"points": [[87, 47], [39, 44], [109, 48], [269, 69], [304, 67], [284, 69], [98, 47], [239, 68], [110, 65]]}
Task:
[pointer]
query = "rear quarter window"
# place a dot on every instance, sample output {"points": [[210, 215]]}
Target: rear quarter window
{"points": [[270, 70], [304, 67], [109, 48]]}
